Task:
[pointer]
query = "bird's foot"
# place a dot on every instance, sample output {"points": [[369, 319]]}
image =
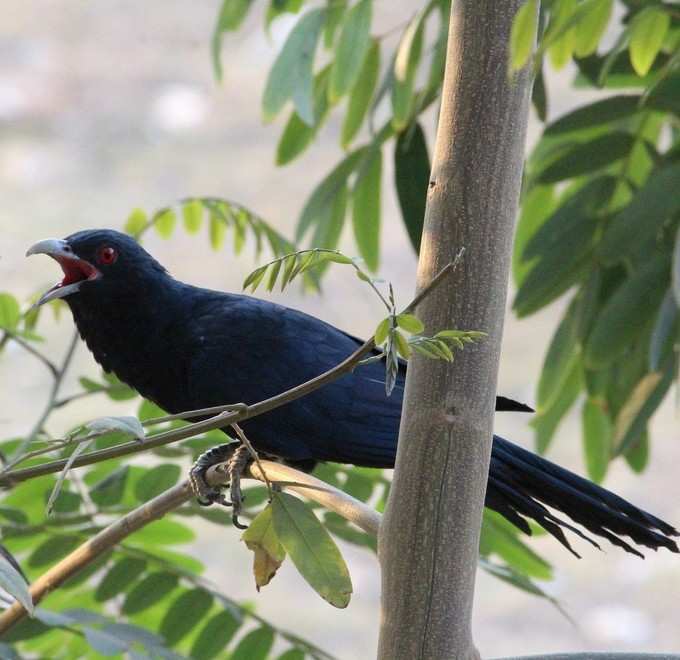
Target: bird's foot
{"points": [[236, 458], [236, 467]]}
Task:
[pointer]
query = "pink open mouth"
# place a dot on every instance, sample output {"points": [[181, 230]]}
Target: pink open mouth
{"points": [[75, 270]]}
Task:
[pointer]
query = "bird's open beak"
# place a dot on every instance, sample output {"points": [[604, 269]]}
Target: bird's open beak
{"points": [[76, 270]]}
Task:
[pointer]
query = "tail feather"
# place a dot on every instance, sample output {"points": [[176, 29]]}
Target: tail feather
{"points": [[522, 485]]}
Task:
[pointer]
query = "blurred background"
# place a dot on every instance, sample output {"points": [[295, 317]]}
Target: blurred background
{"points": [[109, 106]]}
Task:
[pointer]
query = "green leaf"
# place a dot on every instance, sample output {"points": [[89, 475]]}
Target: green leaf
{"points": [[164, 222], [637, 455], [366, 208], [185, 613], [291, 654], [316, 206], [215, 636], [53, 549], [232, 13], [547, 422], [675, 272], [647, 33], [592, 25], [561, 33], [539, 95], [558, 362], [402, 344], [651, 206], [14, 583], [110, 489], [255, 645], [523, 34], [136, 222], [298, 135], [329, 228], [10, 312], [312, 549], [588, 156], [291, 75], [279, 7], [119, 577], [499, 539], [406, 64], [361, 95], [538, 205], [355, 39], [382, 331], [600, 112], [597, 437], [192, 213], [261, 539], [410, 323], [517, 579], [412, 177], [577, 215], [562, 245], [624, 314], [156, 480], [149, 591], [336, 11], [665, 331], [161, 533]]}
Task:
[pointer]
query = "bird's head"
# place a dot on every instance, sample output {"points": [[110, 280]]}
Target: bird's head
{"points": [[97, 262]]}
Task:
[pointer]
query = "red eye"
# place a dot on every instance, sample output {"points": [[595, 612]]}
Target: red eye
{"points": [[107, 255]]}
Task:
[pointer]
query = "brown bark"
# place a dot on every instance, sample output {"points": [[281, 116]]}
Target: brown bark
{"points": [[429, 541]]}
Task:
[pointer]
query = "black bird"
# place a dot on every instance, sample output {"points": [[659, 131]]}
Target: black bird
{"points": [[185, 348]]}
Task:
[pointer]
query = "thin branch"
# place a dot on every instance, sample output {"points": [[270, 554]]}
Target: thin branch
{"points": [[198, 412], [435, 282], [49, 406], [314, 489], [254, 455], [34, 352]]}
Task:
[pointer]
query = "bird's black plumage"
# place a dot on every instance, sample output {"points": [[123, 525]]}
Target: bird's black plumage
{"points": [[185, 347]]}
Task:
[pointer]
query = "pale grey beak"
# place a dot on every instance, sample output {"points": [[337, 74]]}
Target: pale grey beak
{"points": [[72, 265], [54, 247]]}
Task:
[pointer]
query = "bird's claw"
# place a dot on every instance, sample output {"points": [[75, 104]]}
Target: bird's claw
{"points": [[237, 458]]}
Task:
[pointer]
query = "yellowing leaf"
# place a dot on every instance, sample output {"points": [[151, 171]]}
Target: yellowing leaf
{"points": [[268, 552]]}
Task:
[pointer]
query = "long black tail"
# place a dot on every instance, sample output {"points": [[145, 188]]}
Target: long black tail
{"points": [[522, 485]]}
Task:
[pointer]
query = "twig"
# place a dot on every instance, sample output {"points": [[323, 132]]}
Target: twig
{"points": [[435, 282], [223, 419], [199, 412], [244, 439], [49, 406], [314, 489], [35, 353]]}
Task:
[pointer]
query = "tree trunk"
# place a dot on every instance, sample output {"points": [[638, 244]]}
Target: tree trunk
{"points": [[429, 541]]}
